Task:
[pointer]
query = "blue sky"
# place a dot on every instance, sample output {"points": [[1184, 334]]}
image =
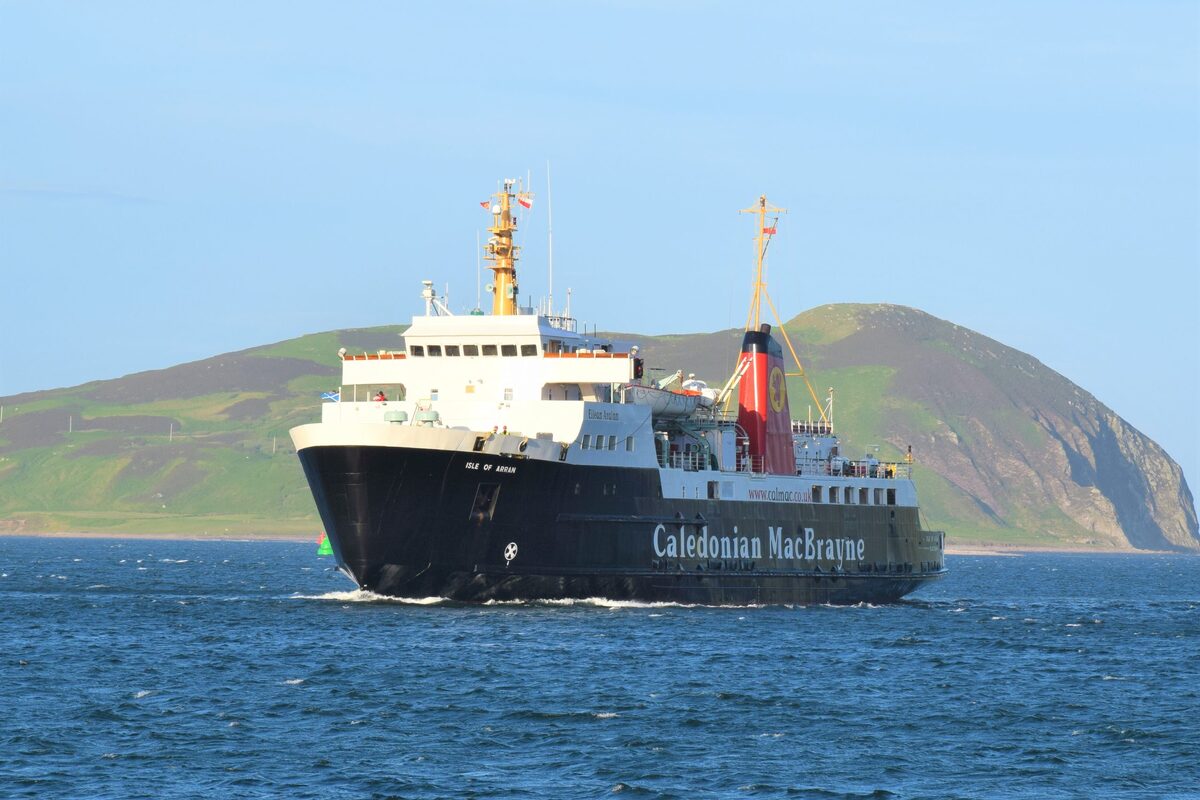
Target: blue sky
{"points": [[178, 181]]}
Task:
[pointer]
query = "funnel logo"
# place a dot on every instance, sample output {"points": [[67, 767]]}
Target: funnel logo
{"points": [[777, 387]]}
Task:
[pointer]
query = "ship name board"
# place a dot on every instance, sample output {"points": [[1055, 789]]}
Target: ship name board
{"points": [[612, 416], [506, 468], [807, 546]]}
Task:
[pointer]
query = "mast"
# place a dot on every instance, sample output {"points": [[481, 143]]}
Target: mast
{"points": [[762, 241], [549, 243], [765, 232], [501, 252]]}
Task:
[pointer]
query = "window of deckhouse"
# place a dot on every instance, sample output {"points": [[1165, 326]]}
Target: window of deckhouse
{"points": [[416, 350], [470, 349], [452, 350], [529, 349], [435, 350], [489, 349], [508, 349]]}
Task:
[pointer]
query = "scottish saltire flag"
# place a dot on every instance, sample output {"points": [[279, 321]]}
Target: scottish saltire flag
{"points": [[333, 397]]}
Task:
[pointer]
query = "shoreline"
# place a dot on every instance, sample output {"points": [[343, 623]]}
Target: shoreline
{"points": [[998, 550], [164, 537], [1018, 550]]}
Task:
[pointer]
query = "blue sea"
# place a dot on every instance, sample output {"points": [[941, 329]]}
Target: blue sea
{"points": [[177, 669]]}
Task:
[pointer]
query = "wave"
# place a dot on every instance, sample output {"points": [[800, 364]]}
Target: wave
{"points": [[364, 596], [594, 602]]}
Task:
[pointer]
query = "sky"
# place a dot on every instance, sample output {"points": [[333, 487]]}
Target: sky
{"points": [[182, 180]]}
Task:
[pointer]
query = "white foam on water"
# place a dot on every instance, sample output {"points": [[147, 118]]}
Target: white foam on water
{"points": [[172, 561], [363, 596], [1074, 625], [294, 681], [1112, 678], [140, 694], [605, 715]]}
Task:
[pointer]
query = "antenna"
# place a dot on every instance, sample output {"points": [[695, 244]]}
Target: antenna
{"points": [[550, 237], [478, 274]]}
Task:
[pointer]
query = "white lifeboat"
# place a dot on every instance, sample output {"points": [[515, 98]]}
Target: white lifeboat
{"points": [[664, 402]]}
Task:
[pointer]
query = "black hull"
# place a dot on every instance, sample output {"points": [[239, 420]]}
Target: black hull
{"points": [[431, 523]]}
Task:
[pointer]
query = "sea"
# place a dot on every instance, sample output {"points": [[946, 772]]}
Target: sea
{"points": [[186, 669]]}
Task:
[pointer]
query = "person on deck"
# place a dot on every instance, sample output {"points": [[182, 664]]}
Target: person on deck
{"points": [[380, 397]]}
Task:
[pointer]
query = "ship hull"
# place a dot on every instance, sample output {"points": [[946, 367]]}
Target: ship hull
{"points": [[413, 522]]}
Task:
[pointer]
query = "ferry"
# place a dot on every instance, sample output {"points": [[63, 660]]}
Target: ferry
{"points": [[513, 456]]}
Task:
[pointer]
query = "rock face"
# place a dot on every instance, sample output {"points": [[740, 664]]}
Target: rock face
{"points": [[1027, 447]]}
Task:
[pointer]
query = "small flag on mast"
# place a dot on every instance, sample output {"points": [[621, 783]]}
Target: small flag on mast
{"points": [[525, 200], [486, 204], [769, 231]]}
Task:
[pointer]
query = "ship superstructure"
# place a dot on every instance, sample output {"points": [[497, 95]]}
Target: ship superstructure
{"points": [[510, 456]]}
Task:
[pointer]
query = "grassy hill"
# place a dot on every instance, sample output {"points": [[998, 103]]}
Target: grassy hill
{"points": [[1007, 450]]}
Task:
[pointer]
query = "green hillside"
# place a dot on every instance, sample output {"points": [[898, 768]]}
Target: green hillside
{"points": [[1007, 451], [196, 448]]}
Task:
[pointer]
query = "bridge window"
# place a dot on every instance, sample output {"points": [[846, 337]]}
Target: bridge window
{"points": [[452, 350], [628, 444], [435, 350], [416, 350], [529, 349], [508, 349], [489, 349], [816, 494], [470, 349], [612, 442], [587, 442]]}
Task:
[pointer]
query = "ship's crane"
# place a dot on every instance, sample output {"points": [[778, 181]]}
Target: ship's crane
{"points": [[732, 383]]}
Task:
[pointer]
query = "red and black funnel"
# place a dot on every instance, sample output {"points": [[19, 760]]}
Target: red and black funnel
{"points": [[763, 411]]}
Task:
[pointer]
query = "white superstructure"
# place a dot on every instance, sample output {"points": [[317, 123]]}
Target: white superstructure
{"points": [[532, 386]]}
